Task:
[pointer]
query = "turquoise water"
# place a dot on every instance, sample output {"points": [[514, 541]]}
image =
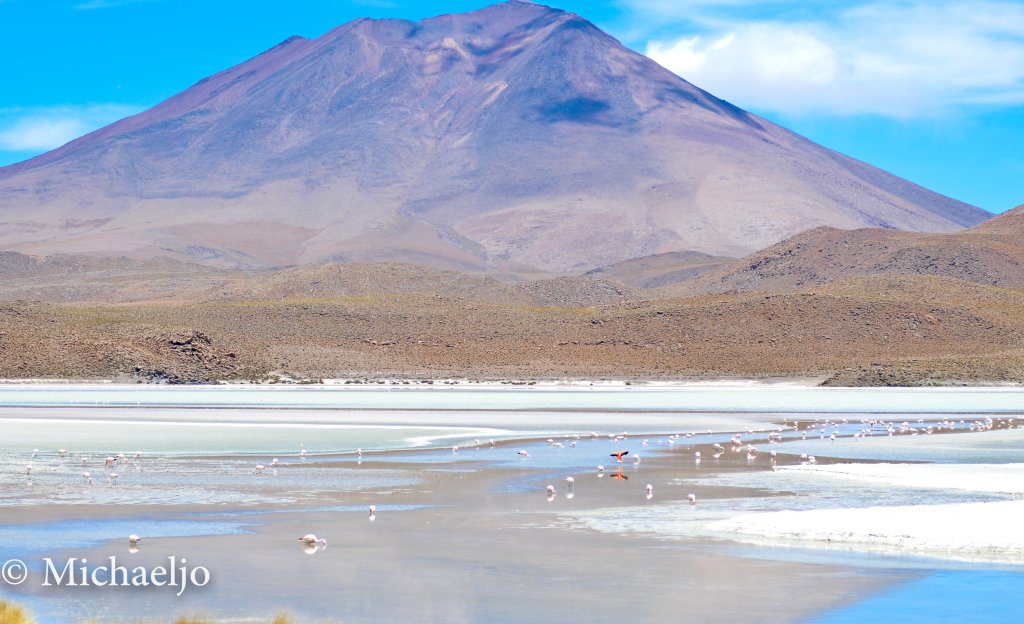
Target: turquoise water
{"points": [[953, 596]]}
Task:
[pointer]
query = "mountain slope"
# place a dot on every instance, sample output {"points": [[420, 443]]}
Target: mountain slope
{"points": [[660, 269], [513, 138], [991, 254]]}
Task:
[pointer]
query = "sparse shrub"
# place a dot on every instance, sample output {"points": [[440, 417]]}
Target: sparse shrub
{"points": [[13, 614]]}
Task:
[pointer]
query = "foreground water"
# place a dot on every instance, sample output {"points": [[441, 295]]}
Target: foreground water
{"points": [[461, 516]]}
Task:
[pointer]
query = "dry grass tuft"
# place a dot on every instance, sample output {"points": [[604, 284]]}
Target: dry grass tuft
{"points": [[13, 614]]}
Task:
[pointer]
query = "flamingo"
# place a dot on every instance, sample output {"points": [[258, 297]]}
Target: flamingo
{"points": [[522, 453], [112, 479], [274, 463], [373, 513], [34, 453], [108, 462], [692, 498], [133, 540], [650, 491], [618, 455], [138, 455], [28, 469], [310, 539], [550, 493], [61, 453], [600, 471], [636, 459], [258, 470], [87, 478]]}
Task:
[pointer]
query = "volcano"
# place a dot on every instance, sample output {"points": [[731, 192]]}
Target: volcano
{"points": [[516, 138]]}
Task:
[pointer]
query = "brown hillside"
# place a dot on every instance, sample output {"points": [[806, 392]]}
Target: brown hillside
{"points": [[987, 254]]}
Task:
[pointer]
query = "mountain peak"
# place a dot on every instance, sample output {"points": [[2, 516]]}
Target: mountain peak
{"points": [[513, 138]]}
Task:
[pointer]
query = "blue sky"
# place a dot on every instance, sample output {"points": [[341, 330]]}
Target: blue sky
{"points": [[930, 90]]}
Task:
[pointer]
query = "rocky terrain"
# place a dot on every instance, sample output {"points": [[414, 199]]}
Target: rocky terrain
{"points": [[370, 321], [991, 253]]}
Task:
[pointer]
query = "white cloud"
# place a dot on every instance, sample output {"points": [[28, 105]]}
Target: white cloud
{"points": [[898, 59], [41, 129]]}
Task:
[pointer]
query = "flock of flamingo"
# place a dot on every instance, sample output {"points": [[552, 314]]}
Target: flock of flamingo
{"points": [[828, 429]]}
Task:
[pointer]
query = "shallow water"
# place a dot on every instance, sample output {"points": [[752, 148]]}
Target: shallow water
{"points": [[961, 596], [456, 522]]}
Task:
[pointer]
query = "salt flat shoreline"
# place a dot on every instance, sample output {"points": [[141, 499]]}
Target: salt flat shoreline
{"points": [[717, 399], [799, 382]]}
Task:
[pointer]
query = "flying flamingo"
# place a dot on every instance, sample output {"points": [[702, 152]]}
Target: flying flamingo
{"points": [[618, 455]]}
